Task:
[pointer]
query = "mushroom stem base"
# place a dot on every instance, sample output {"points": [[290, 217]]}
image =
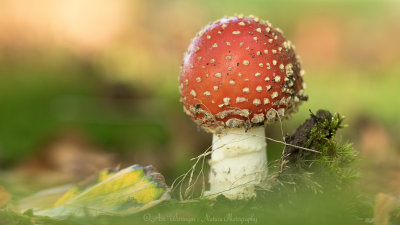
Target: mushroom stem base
{"points": [[238, 163]]}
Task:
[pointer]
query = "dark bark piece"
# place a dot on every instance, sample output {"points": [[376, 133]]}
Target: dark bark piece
{"points": [[301, 137]]}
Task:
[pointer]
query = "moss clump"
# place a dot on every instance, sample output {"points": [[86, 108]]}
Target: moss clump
{"points": [[313, 158]]}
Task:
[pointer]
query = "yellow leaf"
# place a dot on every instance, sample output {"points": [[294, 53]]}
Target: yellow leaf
{"points": [[74, 191], [123, 192]]}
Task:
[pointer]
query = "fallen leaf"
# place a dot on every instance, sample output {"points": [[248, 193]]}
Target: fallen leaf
{"points": [[43, 199], [121, 192]]}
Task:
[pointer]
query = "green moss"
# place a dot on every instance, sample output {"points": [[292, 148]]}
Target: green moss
{"points": [[316, 159]]}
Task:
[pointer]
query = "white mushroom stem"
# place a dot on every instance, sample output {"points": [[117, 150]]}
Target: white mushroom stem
{"points": [[238, 163]]}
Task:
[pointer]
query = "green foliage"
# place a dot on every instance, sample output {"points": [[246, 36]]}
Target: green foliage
{"points": [[9, 217], [39, 109]]}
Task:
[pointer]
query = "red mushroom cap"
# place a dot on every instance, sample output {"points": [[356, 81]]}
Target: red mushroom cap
{"points": [[240, 71]]}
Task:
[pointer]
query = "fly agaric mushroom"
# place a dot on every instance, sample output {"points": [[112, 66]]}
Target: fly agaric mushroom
{"points": [[238, 74]]}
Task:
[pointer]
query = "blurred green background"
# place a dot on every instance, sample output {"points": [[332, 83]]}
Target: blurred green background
{"points": [[91, 84]]}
